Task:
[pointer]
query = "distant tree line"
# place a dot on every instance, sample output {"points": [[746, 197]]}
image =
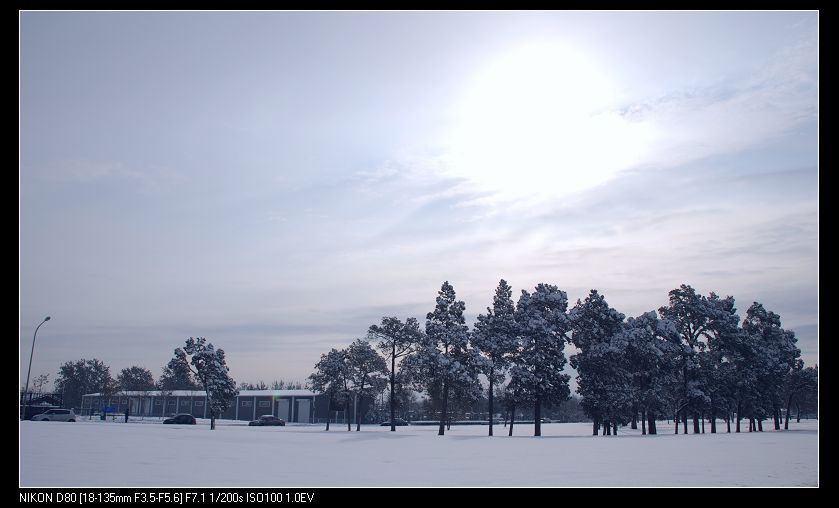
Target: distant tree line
{"points": [[196, 366], [692, 360], [277, 384]]}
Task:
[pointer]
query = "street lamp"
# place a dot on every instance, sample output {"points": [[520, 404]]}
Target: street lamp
{"points": [[29, 371]]}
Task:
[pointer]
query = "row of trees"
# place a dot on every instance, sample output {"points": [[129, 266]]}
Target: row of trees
{"points": [[198, 365], [277, 384], [693, 359]]}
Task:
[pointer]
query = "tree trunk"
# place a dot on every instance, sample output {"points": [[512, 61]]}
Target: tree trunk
{"points": [[776, 416], [355, 411], [393, 388], [760, 424], [347, 409], [443, 414], [328, 411], [798, 416], [634, 424], [685, 421], [537, 417], [606, 427], [739, 407], [651, 423], [644, 422], [595, 426], [695, 424], [727, 422], [490, 400], [703, 422], [615, 428], [786, 416], [676, 421], [713, 422], [512, 418]]}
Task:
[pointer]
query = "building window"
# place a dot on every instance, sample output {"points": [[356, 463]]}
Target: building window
{"points": [[247, 403], [264, 403], [199, 402], [184, 402], [171, 402], [157, 402]]}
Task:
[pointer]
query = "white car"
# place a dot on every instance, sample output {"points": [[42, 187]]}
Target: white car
{"points": [[56, 415]]}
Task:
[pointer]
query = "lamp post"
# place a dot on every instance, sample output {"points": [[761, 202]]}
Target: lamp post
{"points": [[29, 371]]}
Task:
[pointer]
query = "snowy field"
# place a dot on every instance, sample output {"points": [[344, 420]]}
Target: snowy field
{"points": [[150, 454]]}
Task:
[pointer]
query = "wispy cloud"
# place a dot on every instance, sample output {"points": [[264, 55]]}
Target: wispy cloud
{"points": [[147, 178]]}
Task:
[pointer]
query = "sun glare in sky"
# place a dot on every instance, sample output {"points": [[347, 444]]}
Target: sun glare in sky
{"points": [[542, 121]]}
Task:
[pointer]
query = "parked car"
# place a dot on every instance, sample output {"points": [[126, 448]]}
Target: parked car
{"points": [[267, 420], [183, 418], [399, 423], [56, 415]]}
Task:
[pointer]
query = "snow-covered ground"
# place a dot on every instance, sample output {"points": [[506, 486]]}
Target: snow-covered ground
{"points": [[98, 454]]}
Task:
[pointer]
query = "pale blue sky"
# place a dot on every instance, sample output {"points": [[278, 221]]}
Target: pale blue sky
{"points": [[277, 182]]}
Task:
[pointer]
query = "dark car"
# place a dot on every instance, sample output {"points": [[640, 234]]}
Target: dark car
{"points": [[182, 418], [267, 420], [399, 423]]}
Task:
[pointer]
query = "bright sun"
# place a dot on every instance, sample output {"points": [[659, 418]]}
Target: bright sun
{"points": [[536, 123]]}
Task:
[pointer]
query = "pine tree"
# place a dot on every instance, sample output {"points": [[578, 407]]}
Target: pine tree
{"points": [[691, 314], [396, 340], [800, 382], [646, 345], [776, 358], [542, 324], [443, 358], [593, 324], [495, 336], [716, 364]]}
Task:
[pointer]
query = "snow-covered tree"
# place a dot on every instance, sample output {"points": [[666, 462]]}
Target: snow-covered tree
{"points": [[808, 399], [330, 378], [396, 340], [691, 314], [367, 371], [495, 336], [646, 347], [776, 359], [444, 359], [210, 368], [716, 365], [542, 324], [593, 324], [799, 381]]}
